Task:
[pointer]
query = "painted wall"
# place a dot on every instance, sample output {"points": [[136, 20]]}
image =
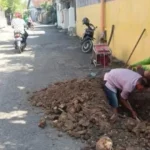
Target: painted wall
{"points": [[93, 13], [130, 17]]}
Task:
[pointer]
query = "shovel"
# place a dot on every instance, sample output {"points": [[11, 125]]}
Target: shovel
{"points": [[138, 120]]}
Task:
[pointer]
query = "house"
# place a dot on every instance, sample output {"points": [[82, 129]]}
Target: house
{"points": [[66, 14], [130, 17], [36, 10], [37, 3]]}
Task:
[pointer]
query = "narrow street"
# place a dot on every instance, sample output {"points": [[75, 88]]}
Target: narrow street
{"points": [[49, 57]]}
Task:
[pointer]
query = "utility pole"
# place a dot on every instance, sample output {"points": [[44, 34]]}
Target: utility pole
{"points": [[29, 1]]}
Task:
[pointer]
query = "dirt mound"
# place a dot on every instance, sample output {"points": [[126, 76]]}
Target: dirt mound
{"points": [[79, 107]]}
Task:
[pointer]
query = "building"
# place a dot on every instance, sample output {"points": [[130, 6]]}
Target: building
{"points": [[66, 14], [130, 17], [37, 3], [36, 10]]}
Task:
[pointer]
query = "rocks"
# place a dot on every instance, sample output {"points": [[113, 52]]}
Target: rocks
{"points": [[39, 104], [53, 117], [133, 148], [42, 123], [131, 123], [104, 143], [77, 134], [69, 125], [79, 107], [84, 122]]}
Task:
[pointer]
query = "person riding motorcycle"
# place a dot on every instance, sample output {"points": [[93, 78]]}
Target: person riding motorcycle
{"points": [[19, 26]]}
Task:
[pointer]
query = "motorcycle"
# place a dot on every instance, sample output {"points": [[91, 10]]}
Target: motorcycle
{"points": [[87, 39], [19, 42]]}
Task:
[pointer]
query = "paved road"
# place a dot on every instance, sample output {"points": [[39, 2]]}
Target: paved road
{"points": [[50, 56]]}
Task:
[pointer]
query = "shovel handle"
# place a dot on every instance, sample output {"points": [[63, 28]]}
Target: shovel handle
{"points": [[137, 119]]}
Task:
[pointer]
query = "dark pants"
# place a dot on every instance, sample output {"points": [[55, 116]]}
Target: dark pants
{"points": [[8, 19], [25, 36], [112, 97]]}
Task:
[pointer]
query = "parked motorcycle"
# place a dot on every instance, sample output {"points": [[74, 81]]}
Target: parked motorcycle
{"points": [[19, 42], [88, 36]]}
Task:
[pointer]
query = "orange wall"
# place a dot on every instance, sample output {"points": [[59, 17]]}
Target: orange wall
{"points": [[130, 17]]}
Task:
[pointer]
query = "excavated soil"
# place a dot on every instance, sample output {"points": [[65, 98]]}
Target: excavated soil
{"points": [[79, 107]]}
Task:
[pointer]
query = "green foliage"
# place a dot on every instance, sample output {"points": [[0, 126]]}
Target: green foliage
{"points": [[14, 5], [27, 13], [50, 10], [46, 6]]}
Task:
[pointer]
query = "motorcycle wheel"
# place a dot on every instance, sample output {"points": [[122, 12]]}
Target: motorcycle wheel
{"points": [[19, 49], [23, 47], [87, 46]]}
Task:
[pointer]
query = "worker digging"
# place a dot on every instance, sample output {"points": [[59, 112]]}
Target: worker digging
{"points": [[125, 81], [80, 108]]}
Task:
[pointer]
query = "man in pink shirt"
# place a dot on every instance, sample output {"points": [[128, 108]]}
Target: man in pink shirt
{"points": [[126, 81]]}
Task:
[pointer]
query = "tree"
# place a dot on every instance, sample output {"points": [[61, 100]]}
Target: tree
{"points": [[46, 6], [14, 5], [3, 4]]}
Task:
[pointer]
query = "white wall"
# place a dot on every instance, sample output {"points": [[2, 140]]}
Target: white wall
{"points": [[71, 17], [2, 20], [66, 18], [59, 17]]}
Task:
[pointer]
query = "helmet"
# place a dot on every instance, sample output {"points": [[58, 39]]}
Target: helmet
{"points": [[18, 15], [85, 21]]}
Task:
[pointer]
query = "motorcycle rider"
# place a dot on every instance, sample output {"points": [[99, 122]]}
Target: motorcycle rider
{"points": [[19, 26]]}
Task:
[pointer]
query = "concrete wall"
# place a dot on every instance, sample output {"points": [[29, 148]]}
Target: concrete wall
{"points": [[59, 15], [71, 17], [2, 20], [65, 16], [130, 17]]}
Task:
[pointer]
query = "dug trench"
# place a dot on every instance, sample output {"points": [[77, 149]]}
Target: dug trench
{"points": [[79, 107]]}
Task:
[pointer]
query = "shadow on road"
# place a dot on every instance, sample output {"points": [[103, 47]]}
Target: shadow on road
{"points": [[50, 56]]}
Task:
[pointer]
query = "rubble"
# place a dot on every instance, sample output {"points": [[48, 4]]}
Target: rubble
{"points": [[42, 123], [79, 107], [104, 143]]}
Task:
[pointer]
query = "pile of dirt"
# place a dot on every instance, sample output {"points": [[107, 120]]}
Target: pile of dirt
{"points": [[79, 107]]}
